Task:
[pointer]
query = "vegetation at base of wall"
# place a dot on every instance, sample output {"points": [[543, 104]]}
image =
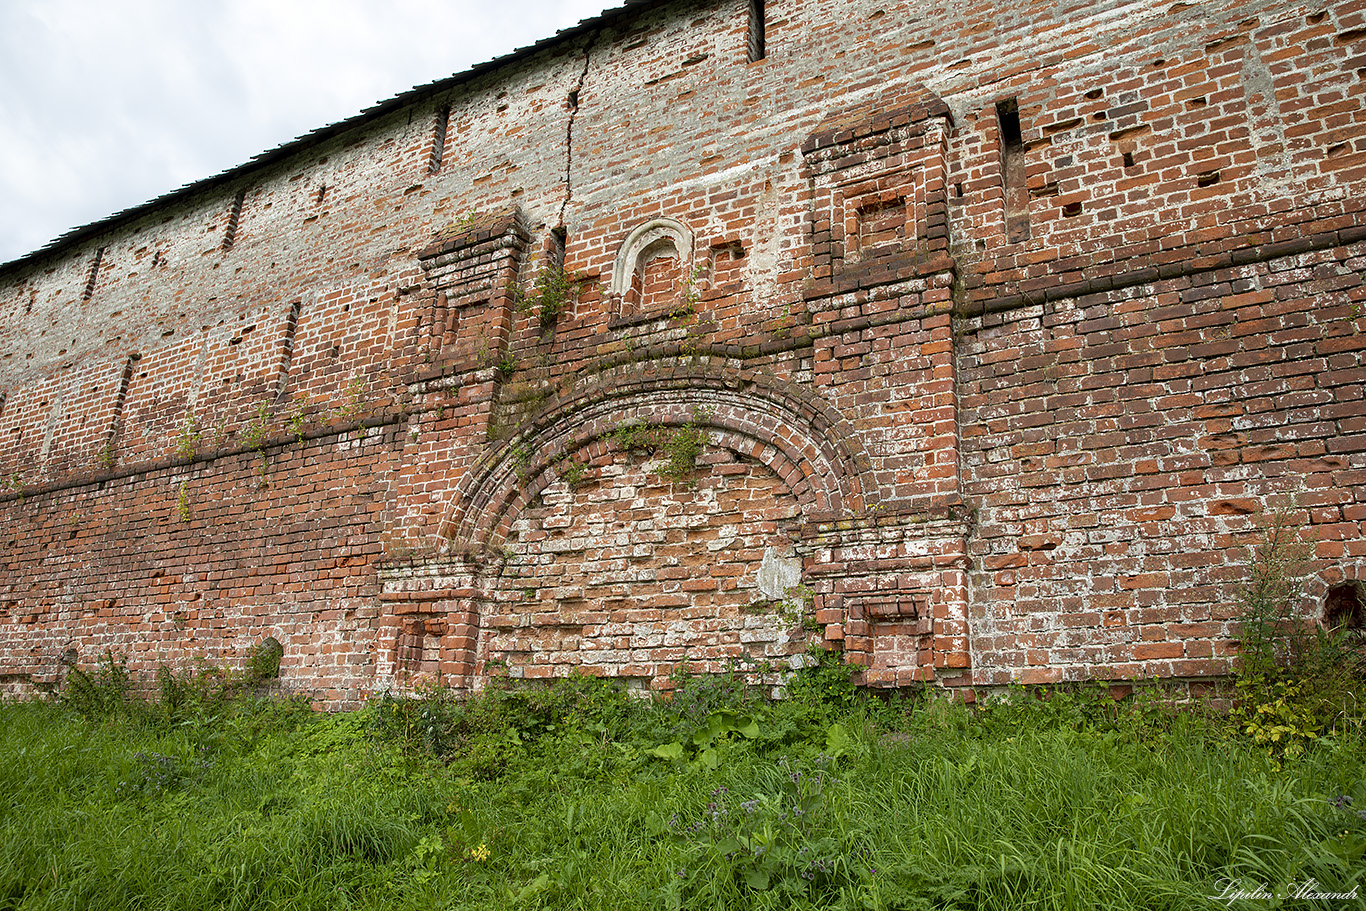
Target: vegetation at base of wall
{"points": [[1296, 681], [107, 691], [579, 795]]}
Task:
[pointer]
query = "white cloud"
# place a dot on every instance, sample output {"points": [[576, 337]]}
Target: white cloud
{"points": [[104, 105]]}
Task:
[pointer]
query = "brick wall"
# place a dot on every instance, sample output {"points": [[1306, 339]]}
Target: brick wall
{"points": [[1122, 447], [974, 341]]}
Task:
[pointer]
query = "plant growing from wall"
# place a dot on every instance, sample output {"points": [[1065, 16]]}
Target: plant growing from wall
{"points": [[797, 607], [551, 292], [691, 294], [572, 471], [681, 446], [105, 457], [521, 454], [1295, 680], [255, 435], [295, 423], [182, 502], [221, 432], [355, 399], [188, 437], [257, 431]]}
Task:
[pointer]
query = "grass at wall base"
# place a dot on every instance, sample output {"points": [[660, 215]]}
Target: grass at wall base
{"points": [[579, 796]]}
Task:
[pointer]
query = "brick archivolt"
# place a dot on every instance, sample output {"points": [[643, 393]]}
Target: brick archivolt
{"points": [[759, 417]]}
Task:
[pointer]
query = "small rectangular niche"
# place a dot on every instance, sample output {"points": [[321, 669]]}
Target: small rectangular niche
{"points": [[234, 217], [755, 37], [882, 224], [1013, 170], [439, 126], [728, 262], [559, 238], [89, 290]]}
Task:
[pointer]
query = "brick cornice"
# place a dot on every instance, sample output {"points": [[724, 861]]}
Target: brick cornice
{"points": [[1070, 283]]}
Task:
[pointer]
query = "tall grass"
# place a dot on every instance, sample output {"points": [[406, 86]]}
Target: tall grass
{"points": [[578, 796]]}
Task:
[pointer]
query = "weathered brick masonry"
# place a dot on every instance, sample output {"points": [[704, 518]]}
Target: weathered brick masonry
{"points": [[972, 338]]}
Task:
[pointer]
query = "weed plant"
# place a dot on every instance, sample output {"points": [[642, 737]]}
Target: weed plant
{"points": [[551, 293], [1297, 682]]}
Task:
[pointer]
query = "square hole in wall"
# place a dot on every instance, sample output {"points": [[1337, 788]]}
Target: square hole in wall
{"points": [[881, 223], [728, 263]]}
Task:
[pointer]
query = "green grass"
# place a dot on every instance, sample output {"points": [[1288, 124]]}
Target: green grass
{"points": [[567, 798]]}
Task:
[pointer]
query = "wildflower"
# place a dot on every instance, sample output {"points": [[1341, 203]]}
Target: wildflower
{"points": [[480, 853]]}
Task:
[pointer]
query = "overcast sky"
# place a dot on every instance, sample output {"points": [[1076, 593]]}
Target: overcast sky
{"points": [[105, 104]]}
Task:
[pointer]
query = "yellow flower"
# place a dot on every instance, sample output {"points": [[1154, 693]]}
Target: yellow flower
{"points": [[480, 853]]}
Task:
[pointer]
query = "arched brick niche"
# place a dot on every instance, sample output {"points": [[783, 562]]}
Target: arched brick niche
{"points": [[652, 268], [1335, 596], [621, 560], [579, 546]]}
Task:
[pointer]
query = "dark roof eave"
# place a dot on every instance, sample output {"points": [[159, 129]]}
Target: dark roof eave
{"points": [[320, 135]]}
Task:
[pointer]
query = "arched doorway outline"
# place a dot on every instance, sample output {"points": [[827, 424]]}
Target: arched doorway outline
{"points": [[779, 423]]}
